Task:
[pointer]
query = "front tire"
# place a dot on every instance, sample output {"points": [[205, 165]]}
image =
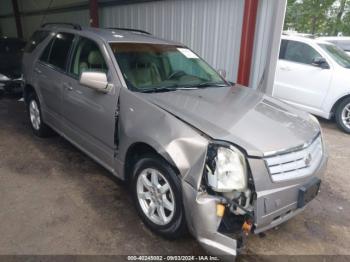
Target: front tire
{"points": [[157, 195], [342, 115], [37, 124]]}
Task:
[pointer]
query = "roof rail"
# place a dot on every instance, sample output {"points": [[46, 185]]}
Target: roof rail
{"points": [[130, 30], [73, 25]]}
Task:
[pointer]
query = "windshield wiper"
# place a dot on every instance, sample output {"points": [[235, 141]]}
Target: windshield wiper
{"points": [[206, 84], [209, 84], [168, 88], [165, 89], [158, 89], [184, 87]]}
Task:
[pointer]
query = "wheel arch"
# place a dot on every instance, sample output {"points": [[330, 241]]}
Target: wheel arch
{"points": [[334, 108], [139, 149], [27, 90]]}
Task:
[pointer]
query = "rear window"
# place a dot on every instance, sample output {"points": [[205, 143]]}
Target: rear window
{"points": [[35, 40]]}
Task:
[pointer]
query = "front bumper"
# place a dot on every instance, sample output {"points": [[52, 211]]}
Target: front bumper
{"points": [[275, 203], [204, 223]]}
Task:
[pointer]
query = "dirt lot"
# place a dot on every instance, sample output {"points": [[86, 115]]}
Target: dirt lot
{"points": [[56, 200]]}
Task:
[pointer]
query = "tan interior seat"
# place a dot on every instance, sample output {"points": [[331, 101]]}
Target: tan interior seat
{"points": [[144, 73], [95, 60]]}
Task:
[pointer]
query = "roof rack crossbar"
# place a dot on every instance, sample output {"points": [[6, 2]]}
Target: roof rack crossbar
{"points": [[130, 30], [73, 25]]}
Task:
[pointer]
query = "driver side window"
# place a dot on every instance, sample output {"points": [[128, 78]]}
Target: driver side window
{"points": [[298, 52], [87, 57]]}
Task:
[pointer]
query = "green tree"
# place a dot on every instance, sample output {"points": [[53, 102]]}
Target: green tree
{"points": [[318, 17], [346, 24]]}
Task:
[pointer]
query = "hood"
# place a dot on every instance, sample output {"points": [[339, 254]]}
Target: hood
{"points": [[258, 123]]}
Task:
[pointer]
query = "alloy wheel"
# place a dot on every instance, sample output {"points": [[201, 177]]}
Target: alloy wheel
{"points": [[34, 114], [346, 116], [155, 196]]}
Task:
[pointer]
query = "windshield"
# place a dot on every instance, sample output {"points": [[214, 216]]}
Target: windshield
{"points": [[345, 45], [337, 54], [149, 67]]}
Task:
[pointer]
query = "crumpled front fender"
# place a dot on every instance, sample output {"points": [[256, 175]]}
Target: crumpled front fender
{"points": [[200, 209]]}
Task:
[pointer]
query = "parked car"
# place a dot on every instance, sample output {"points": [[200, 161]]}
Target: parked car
{"points": [[11, 50], [314, 75], [198, 153], [342, 42]]}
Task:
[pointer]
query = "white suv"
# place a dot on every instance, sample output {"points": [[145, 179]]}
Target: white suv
{"points": [[314, 75]]}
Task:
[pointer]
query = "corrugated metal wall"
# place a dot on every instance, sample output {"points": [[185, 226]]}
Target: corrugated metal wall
{"points": [[34, 5], [8, 27], [262, 41], [33, 22], [269, 27], [210, 28]]}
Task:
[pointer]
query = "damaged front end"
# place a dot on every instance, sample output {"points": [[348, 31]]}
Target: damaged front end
{"points": [[221, 208], [237, 194]]}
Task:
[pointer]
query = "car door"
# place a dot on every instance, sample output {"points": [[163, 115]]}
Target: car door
{"points": [[48, 72], [298, 80], [89, 115]]}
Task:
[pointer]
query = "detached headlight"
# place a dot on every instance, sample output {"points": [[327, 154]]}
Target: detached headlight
{"points": [[226, 169], [4, 78]]}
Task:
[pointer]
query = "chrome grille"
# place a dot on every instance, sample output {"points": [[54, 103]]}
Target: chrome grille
{"points": [[296, 164]]}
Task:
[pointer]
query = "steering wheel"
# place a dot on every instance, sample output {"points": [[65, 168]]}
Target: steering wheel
{"points": [[176, 73]]}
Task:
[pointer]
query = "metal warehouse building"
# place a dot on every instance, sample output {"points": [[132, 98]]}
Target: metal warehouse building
{"points": [[241, 37]]}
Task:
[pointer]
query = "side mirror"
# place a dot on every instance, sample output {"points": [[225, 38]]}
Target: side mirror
{"points": [[320, 62], [95, 80], [222, 72]]}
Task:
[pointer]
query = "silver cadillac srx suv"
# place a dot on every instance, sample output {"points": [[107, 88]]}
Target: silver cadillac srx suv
{"points": [[199, 154]]}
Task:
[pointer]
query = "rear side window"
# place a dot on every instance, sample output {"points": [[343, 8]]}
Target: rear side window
{"points": [[35, 40], [298, 52], [60, 50]]}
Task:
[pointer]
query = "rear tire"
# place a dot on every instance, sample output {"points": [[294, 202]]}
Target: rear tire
{"points": [[37, 124], [157, 194], [342, 115]]}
